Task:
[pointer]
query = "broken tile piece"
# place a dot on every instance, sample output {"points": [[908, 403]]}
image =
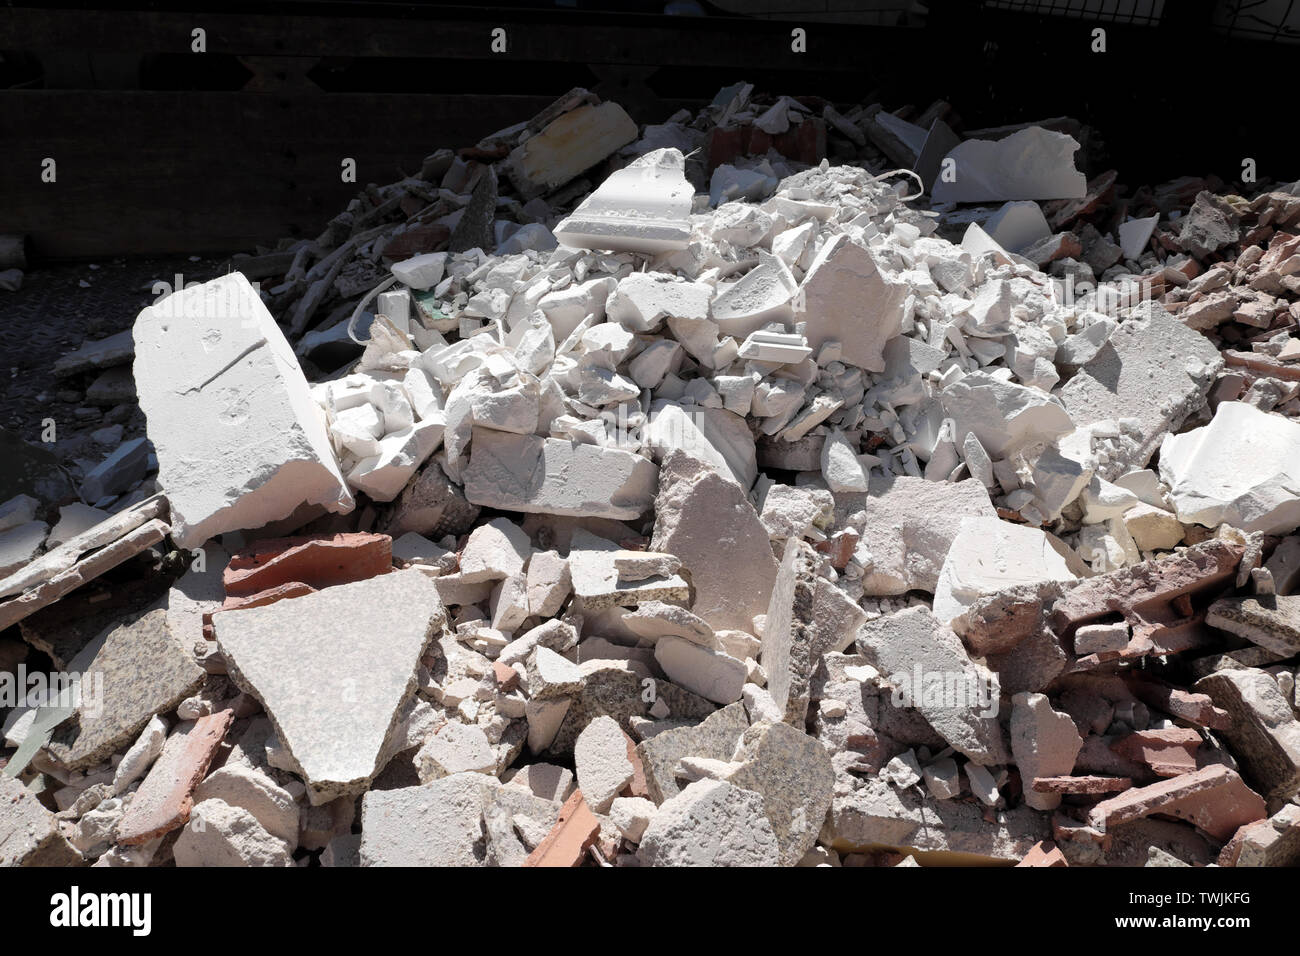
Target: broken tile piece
{"points": [[316, 560], [1031, 163], [294, 654], [911, 649], [140, 669], [643, 207]]}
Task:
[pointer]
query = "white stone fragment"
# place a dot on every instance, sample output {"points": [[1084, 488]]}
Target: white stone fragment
{"points": [[552, 476], [842, 467], [1002, 415], [212, 354], [643, 300], [1017, 225], [600, 756], [1032, 163], [400, 454], [763, 295], [1134, 235], [1153, 529], [498, 549], [778, 348], [643, 207], [848, 300], [421, 272], [549, 583], [632, 815], [141, 755], [1243, 469], [990, 554], [711, 673]]}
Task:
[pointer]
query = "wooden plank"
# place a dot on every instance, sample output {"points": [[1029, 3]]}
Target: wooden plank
{"points": [[145, 172]]}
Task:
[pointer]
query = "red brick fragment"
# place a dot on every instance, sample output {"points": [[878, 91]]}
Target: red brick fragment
{"points": [[1044, 853], [165, 799], [1167, 752], [1081, 785], [507, 677], [573, 834], [1214, 798], [317, 560]]}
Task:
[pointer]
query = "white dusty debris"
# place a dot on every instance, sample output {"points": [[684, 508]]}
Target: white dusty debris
{"points": [[671, 505]]}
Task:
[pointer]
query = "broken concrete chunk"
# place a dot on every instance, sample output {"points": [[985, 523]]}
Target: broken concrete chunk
{"points": [[601, 758], [263, 450], [700, 515], [908, 529], [455, 748], [219, 834], [596, 581], [292, 654], [931, 672], [1153, 369], [712, 674], [140, 669], [550, 675], [1269, 620], [1243, 469], [437, 824], [532, 474], [29, 833], [1264, 733], [990, 555], [793, 774], [715, 737], [496, 550], [1044, 743], [710, 823]]}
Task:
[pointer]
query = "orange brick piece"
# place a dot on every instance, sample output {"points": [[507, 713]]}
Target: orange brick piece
{"points": [[1044, 853], [164, 800], [1213, 798], [317, 560], [574, 832]]}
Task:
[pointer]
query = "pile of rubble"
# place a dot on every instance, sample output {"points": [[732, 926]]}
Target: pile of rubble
{"points": [[742, 523]]}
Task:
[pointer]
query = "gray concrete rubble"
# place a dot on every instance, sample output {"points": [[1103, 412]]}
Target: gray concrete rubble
{"points": [[692, 494]]}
